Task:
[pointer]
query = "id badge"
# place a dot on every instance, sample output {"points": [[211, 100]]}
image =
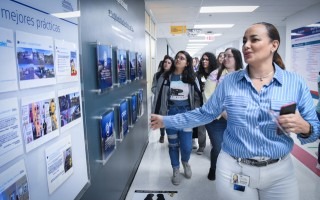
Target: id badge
{"points": [[240, 179]]}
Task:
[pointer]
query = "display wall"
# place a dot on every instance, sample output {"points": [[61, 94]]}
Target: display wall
{"points": [[119, 27], [42, 145]]}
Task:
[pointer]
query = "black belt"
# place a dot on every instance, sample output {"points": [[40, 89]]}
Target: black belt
{"points": [[257, 163]]}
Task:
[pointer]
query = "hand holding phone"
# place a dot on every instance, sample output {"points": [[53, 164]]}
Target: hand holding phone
{"points": [[288, 109]]}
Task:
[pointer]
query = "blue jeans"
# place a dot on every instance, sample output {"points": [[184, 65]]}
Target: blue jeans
{"points": [[215, 131], [179, 140], [318, 114]]}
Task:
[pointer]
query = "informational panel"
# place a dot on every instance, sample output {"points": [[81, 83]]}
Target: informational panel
{"points": [[122, 66], [42, 129], [8, 77], [10, 134], [305, 43], [14, 182], [104, 64], [132, 65], [108, 137]]}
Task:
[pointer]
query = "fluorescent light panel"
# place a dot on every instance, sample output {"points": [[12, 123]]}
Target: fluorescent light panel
{"points": [[197, 44], [227, 9], [213, 26], [65, 15], [214, 34]]}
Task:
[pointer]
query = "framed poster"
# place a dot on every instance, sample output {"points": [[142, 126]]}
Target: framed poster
{"points": [[104, 64], [39, 119], [59, 163], [66, 61], [14, 182], [108, 138], [70, 107], [10, 134], [139, 66], [35, 60], [132, 65], [140, 102], [133, 109], [8, 77], [123, 119], [122, 66]]}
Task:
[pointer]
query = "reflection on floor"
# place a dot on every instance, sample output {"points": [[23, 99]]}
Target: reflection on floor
{"points": [[155, 171]]}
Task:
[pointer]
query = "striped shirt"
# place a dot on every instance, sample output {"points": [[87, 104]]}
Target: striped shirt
{"points": [[250, 130]]}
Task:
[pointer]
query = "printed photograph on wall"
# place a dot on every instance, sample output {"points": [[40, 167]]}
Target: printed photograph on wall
{"points": [[132, 65], [66, 61], [133, 108], [14, 182], [70, 108], [107, 134], [140, 102], [35, 60], [139, 66], [8, 77], [59, 163], [122, 66], [11, 142], [104, 61], [39, 120], [123, 119]]}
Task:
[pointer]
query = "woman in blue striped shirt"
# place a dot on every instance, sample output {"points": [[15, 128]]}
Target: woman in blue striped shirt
{"points": [[252, 148]]}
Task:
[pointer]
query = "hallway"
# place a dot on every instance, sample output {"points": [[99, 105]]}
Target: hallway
{"points": [[154, 174]]}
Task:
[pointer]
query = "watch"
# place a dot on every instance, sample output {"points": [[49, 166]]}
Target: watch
{"points": [[309, 133]]}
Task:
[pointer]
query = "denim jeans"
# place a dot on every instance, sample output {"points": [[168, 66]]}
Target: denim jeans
{"points": [[215, 131], [318, 114], [179, 140]]}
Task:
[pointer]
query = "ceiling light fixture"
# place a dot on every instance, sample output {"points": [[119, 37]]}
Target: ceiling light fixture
{"points": [[213, 25], [65, 15], [227, 9]]}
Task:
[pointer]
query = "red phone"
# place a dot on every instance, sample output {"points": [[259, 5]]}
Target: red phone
{"points": [[288, 109]]}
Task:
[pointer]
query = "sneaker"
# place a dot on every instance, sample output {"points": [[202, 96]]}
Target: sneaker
{"points": [[161, 140], [187, 169], [318, 166], [194, 144], [212, 174], [200, 150], [176, 176]]}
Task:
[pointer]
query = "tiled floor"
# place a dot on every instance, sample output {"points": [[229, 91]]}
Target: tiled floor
{"points": [[155, 171]]}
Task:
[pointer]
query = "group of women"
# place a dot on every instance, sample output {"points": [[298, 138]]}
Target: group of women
{"points": [[248, 144]]}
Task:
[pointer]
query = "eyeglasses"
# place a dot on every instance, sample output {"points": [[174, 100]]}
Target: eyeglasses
{"points": [[228, 56], [180, 58], [205, 59]]}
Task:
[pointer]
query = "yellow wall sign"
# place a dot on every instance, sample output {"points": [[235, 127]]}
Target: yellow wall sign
{"points": [[178, 29]]}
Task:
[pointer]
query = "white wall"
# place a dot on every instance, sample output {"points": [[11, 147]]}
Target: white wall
{"points": [[305, 17]]}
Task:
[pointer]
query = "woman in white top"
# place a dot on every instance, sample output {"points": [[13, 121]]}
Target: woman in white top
{"points": [[232, 62]]}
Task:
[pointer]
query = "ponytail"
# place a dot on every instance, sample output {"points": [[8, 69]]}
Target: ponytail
{"points": [[277, 59]]}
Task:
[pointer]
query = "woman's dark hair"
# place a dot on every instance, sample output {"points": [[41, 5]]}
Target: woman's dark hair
{"points": [[161, 68], [212, 65], [274, 35], [238, 61], [188, 75]]}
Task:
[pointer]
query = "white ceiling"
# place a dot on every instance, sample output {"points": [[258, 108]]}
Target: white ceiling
{"points": [[168, 13]]}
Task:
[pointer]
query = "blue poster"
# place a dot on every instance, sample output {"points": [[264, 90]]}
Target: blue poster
{"points": [[104, 57], [123, 118], [139, 66], [134, 108], [140, 102], [132, 65], [122, 66], [107, 134]]}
